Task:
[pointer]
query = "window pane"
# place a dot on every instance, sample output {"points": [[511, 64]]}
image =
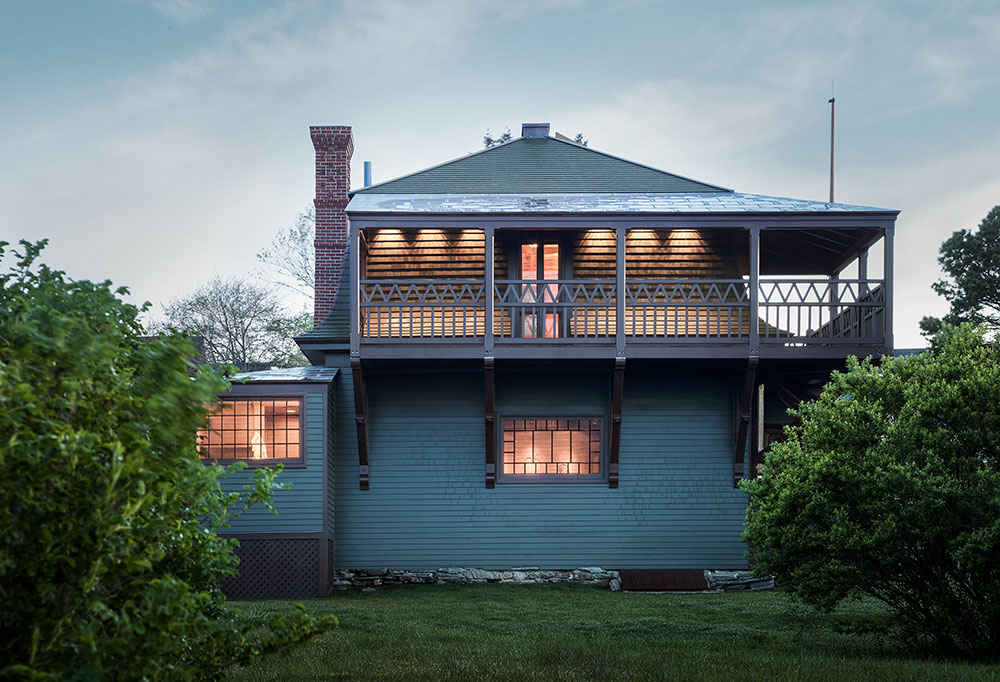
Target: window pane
{"points": [[529, 261], [551, 262], [561, 447], [253, 430]]}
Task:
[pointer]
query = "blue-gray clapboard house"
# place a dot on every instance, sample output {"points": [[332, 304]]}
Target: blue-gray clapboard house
{"points": [[545, 355]]}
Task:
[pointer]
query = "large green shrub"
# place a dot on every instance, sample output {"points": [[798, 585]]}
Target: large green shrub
{"points": [[890, 488], [109, 557]]}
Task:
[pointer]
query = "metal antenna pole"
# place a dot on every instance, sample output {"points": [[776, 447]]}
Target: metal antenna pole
{"points": [[833, 106]]}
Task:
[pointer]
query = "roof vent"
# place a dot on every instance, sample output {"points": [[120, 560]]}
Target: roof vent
{"points": [[534, 130]]}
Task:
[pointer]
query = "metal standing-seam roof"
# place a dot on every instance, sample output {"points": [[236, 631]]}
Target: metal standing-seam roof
{"points": [[609, 202], [314, 374]]}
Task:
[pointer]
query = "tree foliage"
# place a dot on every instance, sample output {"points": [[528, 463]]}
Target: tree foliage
{"points": [[971, 263], [240, 322], [292, 253], [505, 136], [490, 141], [890, 488], [109, 557]]}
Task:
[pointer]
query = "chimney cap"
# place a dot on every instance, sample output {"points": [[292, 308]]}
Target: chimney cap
{"points": [[534, 130]]}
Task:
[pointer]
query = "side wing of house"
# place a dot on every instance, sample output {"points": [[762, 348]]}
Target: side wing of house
{"points": [[269, 418]]}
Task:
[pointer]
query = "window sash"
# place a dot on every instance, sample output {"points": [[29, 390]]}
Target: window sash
{"points": [[255, 430], [557, 448]]}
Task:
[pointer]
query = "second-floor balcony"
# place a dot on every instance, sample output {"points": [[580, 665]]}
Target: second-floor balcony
{"points": [[790, 312], [543, 313]]}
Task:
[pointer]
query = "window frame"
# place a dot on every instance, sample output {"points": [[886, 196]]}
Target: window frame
{"points": [[577, 479], [287, 463]]}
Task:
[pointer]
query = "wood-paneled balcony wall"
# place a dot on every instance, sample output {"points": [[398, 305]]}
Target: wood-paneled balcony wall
{"points": [[672, 288]]}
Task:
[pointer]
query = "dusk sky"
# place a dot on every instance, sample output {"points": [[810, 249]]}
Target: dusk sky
{"points": [[160, 142]]}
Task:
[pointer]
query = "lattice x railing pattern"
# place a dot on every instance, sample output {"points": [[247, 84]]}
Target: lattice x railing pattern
{"points": [[422, 308], [555, 309], [809, 309], [684, 308]]}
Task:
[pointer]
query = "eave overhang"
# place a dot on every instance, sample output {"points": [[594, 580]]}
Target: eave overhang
{"points": [[678, 203]]}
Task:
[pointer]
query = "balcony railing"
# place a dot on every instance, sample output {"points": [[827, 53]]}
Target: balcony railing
{"points": [[789, 311]]}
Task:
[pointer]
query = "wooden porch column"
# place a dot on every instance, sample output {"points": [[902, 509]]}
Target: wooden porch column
{"points": [[614, 441], [491, 422], [754, 291], [835, 303], [361, 419], [488, 265], [888, 276], [620, 292], [355, 292]]}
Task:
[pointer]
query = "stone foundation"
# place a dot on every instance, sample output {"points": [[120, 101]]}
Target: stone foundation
{"points": [[735, 581], [370, 578]]}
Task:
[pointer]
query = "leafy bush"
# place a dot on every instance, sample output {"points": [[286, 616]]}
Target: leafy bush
{"points": [[109, 558], [890, 487]]}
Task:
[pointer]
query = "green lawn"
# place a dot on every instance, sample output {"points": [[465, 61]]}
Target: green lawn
{"points": [[569, 632]]}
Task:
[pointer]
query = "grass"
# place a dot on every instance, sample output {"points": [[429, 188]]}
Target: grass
{"points": [[571, 632]]}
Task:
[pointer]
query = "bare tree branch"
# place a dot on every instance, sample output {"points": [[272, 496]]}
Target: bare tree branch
{"points": [[240, 322], [292, 254]]}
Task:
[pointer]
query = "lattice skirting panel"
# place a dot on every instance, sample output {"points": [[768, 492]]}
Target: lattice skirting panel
{"points": [[275, 568]]}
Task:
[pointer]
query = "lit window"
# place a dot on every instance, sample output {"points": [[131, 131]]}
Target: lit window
{"points": [[253, 430], [552, 447]]}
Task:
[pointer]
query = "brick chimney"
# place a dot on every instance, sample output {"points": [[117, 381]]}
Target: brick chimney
{"points": [[334, 146]]}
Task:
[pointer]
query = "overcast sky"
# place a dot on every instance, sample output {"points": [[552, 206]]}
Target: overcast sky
{"points": [[159, 142]]}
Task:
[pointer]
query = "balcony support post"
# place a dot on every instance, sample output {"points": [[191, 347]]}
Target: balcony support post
{"points": [[354, 253], [490, 422], [888, 277], [754, 291], [746, 415], [614, 441], [620, 292], [488, 293], [834, 296], [361, 419]]}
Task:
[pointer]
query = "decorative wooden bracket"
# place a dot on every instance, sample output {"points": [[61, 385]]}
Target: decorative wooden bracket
{"points": [[617, 386], [746, 413], [491, 422], [361, 419]]}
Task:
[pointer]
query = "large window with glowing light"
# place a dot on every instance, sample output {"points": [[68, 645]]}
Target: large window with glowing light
{"points": [[556, 448], [253, 430]]}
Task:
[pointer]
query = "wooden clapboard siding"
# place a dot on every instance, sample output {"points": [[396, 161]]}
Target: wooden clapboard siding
{"points": [[427, 506], [431, 254], [657, 254], [680, 254], [300, 507], [594, 254], [331, 459], [458, 254]]}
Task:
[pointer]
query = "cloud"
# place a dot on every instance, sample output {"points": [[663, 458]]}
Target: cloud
{"points": [[184, 11], [304, 46]]}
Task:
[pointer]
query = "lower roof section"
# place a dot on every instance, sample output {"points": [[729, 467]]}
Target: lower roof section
{"points": [[312, 374]]}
